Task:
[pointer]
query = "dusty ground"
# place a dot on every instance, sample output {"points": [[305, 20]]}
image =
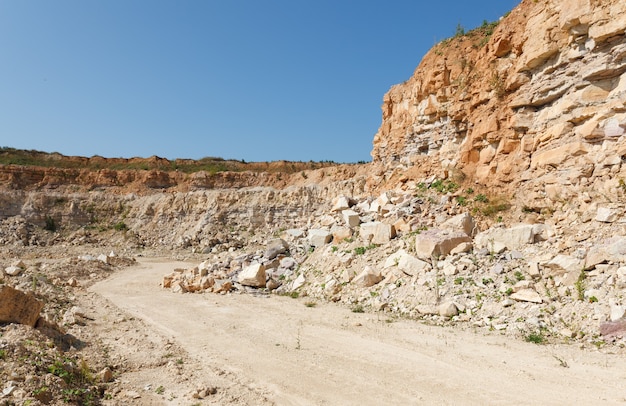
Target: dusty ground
{"points": [[277, 350]]}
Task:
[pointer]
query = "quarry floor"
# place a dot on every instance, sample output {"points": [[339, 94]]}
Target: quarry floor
{"points": [[247, 349]]}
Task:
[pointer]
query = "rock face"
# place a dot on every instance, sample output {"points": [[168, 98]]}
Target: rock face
{"points": [[18, 307], [536, 102]]}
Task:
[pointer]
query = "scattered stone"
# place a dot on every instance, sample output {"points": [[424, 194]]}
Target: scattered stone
{"points": [[295, 232], [341, 203], [461, 222], [508, 302], [288, 263], [319, 237], [272, 284], [105, 376], [340, 233], [533, 270], [512, 238], [298, 282], [462, 247], [351, 218], [606, 215], [612, 250], [368, 277], [527, 295], [617, 311], [376, 232], [613, 329], [275, 247], [566, 267], [448, 310], [13, 270]]}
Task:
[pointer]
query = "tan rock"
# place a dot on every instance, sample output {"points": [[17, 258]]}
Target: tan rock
{"points": [[18, 307]]}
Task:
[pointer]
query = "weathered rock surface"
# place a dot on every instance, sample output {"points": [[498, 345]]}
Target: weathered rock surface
{"points": [[438, 243], [18, 307], [533, 107]]}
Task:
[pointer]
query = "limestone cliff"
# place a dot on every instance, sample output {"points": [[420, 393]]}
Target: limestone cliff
{"points": [[536, 104]]}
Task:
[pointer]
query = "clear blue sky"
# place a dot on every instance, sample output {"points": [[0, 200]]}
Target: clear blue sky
{"points": [[243, 79]]}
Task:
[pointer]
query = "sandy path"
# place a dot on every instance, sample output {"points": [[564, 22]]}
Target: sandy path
{"points": [[327, 355]]}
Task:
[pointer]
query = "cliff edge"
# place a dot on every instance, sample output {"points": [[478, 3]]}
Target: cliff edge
{"points": [[533, 103]]}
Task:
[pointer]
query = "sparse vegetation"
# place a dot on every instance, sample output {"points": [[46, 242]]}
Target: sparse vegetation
{"points": [[211, 165], [358, 309], [536, 337], [120, 226], [580, 286]]}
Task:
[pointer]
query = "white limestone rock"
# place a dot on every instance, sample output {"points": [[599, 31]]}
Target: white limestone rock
{"points": [[368, 277], [438, 243], [13, 270], [275, 247], [376, 232], [253, 275], [351, 218], [406, 262], [606, 215], [461, 222], [527, 295], [448, 310], [319, 237], [341, 203], [513, 238]]}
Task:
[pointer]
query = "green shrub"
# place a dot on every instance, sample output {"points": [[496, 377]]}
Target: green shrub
{"points": [[51, 225], [120, 226]]}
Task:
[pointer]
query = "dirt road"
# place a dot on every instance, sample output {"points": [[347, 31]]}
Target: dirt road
{"points": [[279, 351]]}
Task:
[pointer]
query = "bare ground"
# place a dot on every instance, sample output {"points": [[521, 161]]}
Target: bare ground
{"points": [[244, 349]]}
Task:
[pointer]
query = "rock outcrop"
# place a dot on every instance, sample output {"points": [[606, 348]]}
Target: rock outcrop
{"points": [[534, 105]]}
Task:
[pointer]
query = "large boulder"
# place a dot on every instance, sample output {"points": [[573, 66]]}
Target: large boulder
{"points": [[18, 307], [376, 232], [407, 263], [275, 247], [340, 233], [513, 238], [369, 277], [461, 222], [319, 237], [341, 203], [612, 250], [565, 269], [351, 218], [253, 275], [438, 243]]}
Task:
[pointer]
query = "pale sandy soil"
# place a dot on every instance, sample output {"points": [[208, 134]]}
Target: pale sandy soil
{"points": [[276, 350]]}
